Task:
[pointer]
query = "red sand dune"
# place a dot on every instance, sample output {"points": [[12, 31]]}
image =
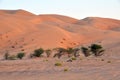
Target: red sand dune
{"points": [[27, 31]]}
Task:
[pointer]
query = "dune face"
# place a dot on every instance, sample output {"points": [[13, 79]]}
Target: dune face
{"points": [[27, 31]]}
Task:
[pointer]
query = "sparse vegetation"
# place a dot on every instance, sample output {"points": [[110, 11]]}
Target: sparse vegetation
{"points": [[38, 52], [96, 49], [73, 53], [73, 58], [70, 51], [58, 64], [60, 52], [12, 57], [48, 52], [86, 51], [76, 52], [65, 70], [20, 55]]}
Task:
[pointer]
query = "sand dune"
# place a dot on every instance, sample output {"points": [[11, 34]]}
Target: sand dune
{"points": [[22, 30], [100, 23]]}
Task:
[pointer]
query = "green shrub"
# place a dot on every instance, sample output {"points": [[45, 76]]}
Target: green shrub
{"points": [[85, 51], [48, 52], [65, 70], [20, 55], [97, 49], [58, 64], [73, 58], [70, 52], [38, 52], [60, 52]]}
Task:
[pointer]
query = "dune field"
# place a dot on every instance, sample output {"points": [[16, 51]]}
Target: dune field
{"points": [[22, 31]]}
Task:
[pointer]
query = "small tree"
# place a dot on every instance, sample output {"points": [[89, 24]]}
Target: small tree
{"points": [[60, 52], [86, 51], [70, 51], [48, 52], [76, 52], [20, 55], [96, 49], [38, 52]]}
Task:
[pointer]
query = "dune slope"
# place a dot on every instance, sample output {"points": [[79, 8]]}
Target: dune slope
{"points": [[20, 30]]}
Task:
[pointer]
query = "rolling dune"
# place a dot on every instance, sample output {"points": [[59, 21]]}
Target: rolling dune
{"points": [[21, 30]]}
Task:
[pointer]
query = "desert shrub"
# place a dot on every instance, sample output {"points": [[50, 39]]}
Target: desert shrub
{"points": [[73, 58], [70, 51], [96, 49], [12, 57], [58, 64], [60, 52], [48, 52], [65, 70], [38, 52], [76, 52], [20, 55], [85, 51]]}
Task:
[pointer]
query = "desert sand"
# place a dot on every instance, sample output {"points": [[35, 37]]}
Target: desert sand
{"points": [[20, 30], [40, 69]]}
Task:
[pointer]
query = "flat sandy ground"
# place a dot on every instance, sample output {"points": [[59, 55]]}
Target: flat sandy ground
{"points": [[44, 69]]}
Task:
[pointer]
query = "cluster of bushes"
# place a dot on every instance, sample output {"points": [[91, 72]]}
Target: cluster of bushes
{"points": [[14, 57], [94, 49], [37, 53]]}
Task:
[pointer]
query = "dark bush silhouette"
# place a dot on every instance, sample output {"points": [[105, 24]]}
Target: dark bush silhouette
{"points": [[48, 52], [70, 52], [76, 52], [85, 51], [96, 49], [38, 52], [20, 55], [60, 52]]}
